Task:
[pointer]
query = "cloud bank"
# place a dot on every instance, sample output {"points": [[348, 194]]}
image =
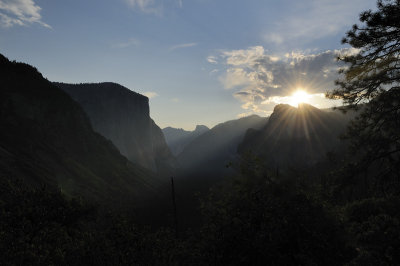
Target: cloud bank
{"points": [[20, 13], [261, 80]]}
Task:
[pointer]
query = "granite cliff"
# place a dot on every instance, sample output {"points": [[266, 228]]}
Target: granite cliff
{"points": [[123, 117]]}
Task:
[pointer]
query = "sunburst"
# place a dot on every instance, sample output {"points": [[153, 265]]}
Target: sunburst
{"points": [[299, 96]]}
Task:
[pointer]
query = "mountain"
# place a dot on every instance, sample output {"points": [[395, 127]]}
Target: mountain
{"points": [[123, 117], [214, 149], [203, 163], [177, 138], [296, 137], [46, 138]]}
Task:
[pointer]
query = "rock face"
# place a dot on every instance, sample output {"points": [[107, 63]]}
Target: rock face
{"points": [[177, 138], [296, 136], [122, 116], [46, 138]]}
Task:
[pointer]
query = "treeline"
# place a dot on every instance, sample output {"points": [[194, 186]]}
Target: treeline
{"points": [[254, 219]]}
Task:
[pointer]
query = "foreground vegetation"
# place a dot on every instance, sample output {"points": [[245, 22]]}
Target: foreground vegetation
{"points": [[255, 219]]}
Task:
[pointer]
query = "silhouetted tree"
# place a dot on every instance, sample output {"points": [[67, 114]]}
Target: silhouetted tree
{"points": [[254, 220], [375, 228], [372, 81]]}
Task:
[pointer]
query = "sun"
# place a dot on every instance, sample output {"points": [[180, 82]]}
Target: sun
{"points": [[299, 96]]}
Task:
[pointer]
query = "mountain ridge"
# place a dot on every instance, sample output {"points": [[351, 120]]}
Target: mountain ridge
{"points": [[218, 146], [177, 138], [296, 136]]}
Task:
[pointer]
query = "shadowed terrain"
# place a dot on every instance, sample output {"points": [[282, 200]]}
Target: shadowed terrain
{"points": [[46, 138]]}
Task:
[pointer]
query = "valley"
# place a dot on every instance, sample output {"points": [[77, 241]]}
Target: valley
{"points": [[149, 132]]}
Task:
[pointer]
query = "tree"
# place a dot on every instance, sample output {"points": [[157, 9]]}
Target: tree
{"points": [[372, 81], [374, 225], [255, 220]]}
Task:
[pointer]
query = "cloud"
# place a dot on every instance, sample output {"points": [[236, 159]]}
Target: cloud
{"points": [[241, 115], [212, 72], [150, 94], [20, 13], [306, 21], [130, 42], [155, 7], [183, 45], [212, 59], [261, 80], [146, 6]]}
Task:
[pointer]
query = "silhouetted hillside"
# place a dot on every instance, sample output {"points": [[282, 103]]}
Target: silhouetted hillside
{"points": [[177, 138], [46, 138], [296, 137], [213, 150], [122, 116]]}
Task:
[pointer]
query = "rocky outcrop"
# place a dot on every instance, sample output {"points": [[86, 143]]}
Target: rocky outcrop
{"points": [[122, 116]]}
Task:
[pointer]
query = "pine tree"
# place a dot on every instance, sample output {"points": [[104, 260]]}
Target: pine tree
{"points": [[372, 81]]}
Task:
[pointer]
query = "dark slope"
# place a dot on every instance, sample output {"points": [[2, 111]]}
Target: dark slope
{"points": [[203, 163], [213, 150], [296, 137], [46, 138], [122, 116], [177, 138]]}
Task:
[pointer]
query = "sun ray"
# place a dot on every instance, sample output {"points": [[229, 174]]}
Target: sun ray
{"points": [[299, 96]]}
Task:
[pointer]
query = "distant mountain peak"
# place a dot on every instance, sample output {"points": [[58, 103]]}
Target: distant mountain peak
{"points": [[308, 107], [286, 111], [178, 138], [282, 107], [305, 105], [201, 128], [294, 120]]}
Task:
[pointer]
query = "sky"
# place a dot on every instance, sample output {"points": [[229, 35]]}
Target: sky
{"points": [[198, 61]]}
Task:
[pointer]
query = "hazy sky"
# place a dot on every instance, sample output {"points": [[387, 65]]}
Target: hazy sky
{"points": [[199, 61]]}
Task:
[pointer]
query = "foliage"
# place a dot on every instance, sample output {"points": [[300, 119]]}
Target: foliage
{"points": [[255, 221], [372, 79], [38, 226], [375, 226], [374, 69]]}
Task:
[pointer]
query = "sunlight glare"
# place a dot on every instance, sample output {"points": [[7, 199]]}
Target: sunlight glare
{"points": [[299, 96]]}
